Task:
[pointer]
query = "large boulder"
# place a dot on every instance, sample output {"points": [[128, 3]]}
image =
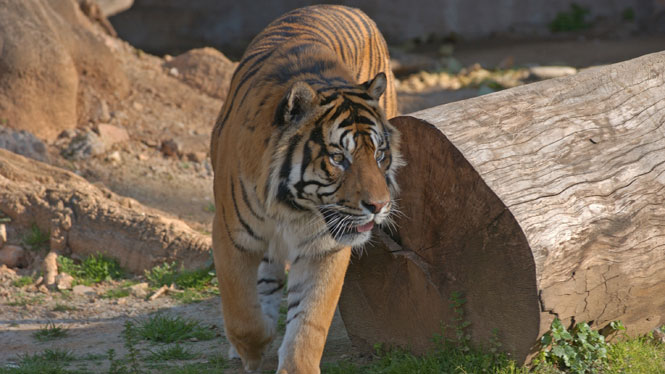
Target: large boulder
{"points": [[49, 54]]}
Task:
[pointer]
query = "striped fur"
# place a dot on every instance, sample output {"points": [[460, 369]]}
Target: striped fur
{"points": [[304, 163]]}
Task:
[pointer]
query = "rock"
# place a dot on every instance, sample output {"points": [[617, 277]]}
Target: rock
{"points": [[547, 72], [139, 290], [103, 114], [84, 146], [196, 156], [110, 134], [138, 106], [3, 234], [12, 255], [7, 274], [23, 143], [171, 148], [43, 289], [121, 301], [113, 7], [114, 157], [50, 268], [205, 69], [47, 47], [64, 281], [82, 290]]}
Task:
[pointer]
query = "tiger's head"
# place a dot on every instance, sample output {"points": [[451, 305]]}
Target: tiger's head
{"points": [[337, 157]]}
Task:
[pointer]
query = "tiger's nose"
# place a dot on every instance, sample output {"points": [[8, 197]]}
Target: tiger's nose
{"points": [[374, 206]]}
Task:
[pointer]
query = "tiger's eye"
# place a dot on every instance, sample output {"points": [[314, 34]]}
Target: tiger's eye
{"points": [[380, 155], [337, 158]]}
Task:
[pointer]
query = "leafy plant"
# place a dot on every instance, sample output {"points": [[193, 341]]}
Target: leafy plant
{"points": [[116, 293], [22, 281], [573, 20], [163, 328], [50, 332], [169, 273], [175, 352], [36, 239], [94, 269], [580, 350]]}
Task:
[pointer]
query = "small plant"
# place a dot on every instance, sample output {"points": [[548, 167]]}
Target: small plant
{"points": [[628, 14], [50, 332], [131, 338], [23, 299], [162, 328], [573, 20], [94, 269], [168, 273], [23, 281], [210, 208], [580, 350], [36, 239], [116, 293], [63, 308], [176, 352]]}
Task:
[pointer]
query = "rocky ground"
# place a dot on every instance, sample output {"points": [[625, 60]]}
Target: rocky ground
{"points": [[148, 140]]}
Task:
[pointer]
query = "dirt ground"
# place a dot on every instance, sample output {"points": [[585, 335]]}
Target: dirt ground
{"points": [[161, 106]]}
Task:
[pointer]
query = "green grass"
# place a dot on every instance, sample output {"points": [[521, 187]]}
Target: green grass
{"points": [[36, 239], [63, 308], [23, 299], [189, 296], [94, 269], [23, 281], [163, 328], [50, 332], [169, 273], [175, 352], [51, 361], [116, 293]]}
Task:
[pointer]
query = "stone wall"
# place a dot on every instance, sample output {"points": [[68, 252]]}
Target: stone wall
{"points": [[176, 25]]}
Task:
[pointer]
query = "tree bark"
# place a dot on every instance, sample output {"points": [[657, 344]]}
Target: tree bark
{"points": [[542, 201]]}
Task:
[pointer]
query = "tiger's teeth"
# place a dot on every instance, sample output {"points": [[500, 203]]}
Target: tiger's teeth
{"points": [[366, 227]]}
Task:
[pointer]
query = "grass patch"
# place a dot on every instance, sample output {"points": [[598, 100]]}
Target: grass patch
{"points": [[169, 273], [23, 299], [210, 208], [50, 332], [175, 352], [36, 239], [63, 308], [49, 355], [189, 296], [163, 328], [94, 269], [23, 281], [116, 293]]}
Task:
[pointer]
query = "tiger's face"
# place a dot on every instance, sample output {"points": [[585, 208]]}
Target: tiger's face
{"points": [[340, 158]]}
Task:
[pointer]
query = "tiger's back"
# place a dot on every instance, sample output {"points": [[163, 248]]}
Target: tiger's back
{"points": [[324, 35], [304, 165]]}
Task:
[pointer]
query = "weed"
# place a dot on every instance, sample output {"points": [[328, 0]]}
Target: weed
{"points": [[580, 350], [190, 296], [116, 293], [210, 208], [23, 281], [628, 14], [49, 332], [168, 273], [36, 239], [48, 362], [162, 328], [175, 352], [49, 355], [94, 269], [573, 20], [130, 337], [23, 299], [281, 321], [63, 308]]}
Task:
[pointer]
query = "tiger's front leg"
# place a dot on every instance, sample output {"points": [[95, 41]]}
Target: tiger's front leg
{"points": [[314, 288]]}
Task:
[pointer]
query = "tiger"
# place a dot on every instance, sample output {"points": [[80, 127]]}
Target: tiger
{"points": [[304, 164]]}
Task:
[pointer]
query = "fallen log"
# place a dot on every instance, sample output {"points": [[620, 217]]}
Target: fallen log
{"points": [[542, 201], [85, 219]]}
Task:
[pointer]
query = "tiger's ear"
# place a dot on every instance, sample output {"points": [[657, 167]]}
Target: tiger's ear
{"points": [[377, 86], [297, 103]]}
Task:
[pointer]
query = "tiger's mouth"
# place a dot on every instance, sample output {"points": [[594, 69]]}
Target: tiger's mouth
{"points": [[343, 225]]}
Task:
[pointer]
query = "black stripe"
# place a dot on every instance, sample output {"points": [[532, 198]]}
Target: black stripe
{"points": [[228, 232], [294, 317], [239, 216], [245, 198], [267, 280], [292, 305], [272, 291]]}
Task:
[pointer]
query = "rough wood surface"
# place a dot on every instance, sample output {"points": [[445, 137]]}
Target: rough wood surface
{"points": [[539, 201], [86, 219]]}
